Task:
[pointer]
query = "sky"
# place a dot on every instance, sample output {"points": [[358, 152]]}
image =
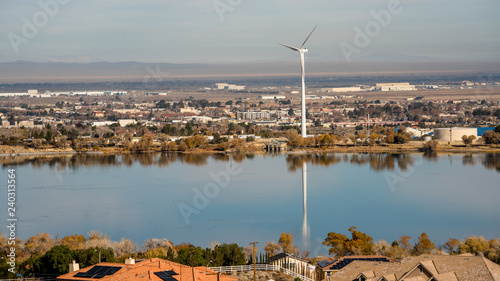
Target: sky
{"points": [[232, 31]]}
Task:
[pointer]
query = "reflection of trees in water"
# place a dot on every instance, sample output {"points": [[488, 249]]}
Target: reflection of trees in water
{"points": [[193, 159], [405, 161], [144, 159], [165, 159], [431, 156], [377, 162], [295, 162], [468, 159], [492, 161], [381, 162]]}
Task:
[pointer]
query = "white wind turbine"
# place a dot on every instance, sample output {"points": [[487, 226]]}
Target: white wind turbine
{"points": [[302, 51]]}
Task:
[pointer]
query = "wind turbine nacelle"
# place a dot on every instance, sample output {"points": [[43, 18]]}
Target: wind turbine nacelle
{"points": [[305, 50]]}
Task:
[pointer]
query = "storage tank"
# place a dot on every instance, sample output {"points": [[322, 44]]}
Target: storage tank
{"points": [[453, 134]]}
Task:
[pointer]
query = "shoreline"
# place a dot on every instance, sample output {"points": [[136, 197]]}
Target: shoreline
{"points": [[401, 148]]}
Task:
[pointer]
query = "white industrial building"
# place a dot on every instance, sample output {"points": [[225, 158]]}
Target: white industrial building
{"points": [[343, 90], [103, 123], [253, 115], [200, 119], [272, 97], [231, 87], [13, 94], [386, 87], [453, 134], [125, 122]]}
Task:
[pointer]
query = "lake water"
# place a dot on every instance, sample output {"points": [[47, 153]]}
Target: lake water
{"points": [[245, 198]]}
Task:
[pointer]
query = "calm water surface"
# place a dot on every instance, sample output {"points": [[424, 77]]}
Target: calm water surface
{"points": [[243, 199]]}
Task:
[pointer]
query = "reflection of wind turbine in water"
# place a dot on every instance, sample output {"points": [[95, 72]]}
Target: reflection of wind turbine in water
{"points": [[305, 227], [302, 50]]}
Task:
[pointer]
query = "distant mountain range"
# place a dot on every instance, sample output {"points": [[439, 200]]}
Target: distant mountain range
{"points": [[25, 71]]}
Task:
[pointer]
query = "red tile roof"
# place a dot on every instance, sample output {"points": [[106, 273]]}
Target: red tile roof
{"points": [[145, 271]]}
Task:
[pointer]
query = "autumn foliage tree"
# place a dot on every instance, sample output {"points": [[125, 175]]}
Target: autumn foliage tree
{"points": [[74, 242], [424, 245], [340, 245], [451, 246], [474, 245], [286, 242]]}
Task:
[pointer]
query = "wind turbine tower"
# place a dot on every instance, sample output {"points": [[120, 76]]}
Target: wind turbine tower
{"points": [[302, 50]]}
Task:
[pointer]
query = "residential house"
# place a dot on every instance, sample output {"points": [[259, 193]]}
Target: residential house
{"points": [[293, 263], [331, 265], [422, 268], [150, 269]]}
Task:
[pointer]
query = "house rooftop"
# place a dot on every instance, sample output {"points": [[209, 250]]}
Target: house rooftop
{"points": [[147, 270], [336, 263], [424, 267]]}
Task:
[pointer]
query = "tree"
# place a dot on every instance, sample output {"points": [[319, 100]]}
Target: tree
{"points": [[452, 246], [474, 245], [397, 252], [39, 244], [491, 137], [337, 243], [191, 256], [360, 242], [90, 256], [430, 146], [404, 243], [374, 138], [494, 251], [124, 248], [286, 242], [74, 242], [424, 245], [154, 243], [55, 262], [340, 245], [401, 136], [156, 253], [382, 248], [227, 255], [468, 139], [98, 239], [272, 248], [73, 134]]}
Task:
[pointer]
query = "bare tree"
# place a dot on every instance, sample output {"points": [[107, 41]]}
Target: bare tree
{"points": [[98, 239], [39, 244], [125, 247], [272, 248]]}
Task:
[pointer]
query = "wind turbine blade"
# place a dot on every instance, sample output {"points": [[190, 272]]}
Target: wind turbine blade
{"points": [[290, 47], [308, 37]]}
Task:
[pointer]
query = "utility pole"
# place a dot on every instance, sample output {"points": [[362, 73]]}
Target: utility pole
{"points": [[218, 275], [254, 268], [99, 255]]}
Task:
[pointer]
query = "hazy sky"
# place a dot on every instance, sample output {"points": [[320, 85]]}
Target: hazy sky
{"points": [[205, 31]]}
